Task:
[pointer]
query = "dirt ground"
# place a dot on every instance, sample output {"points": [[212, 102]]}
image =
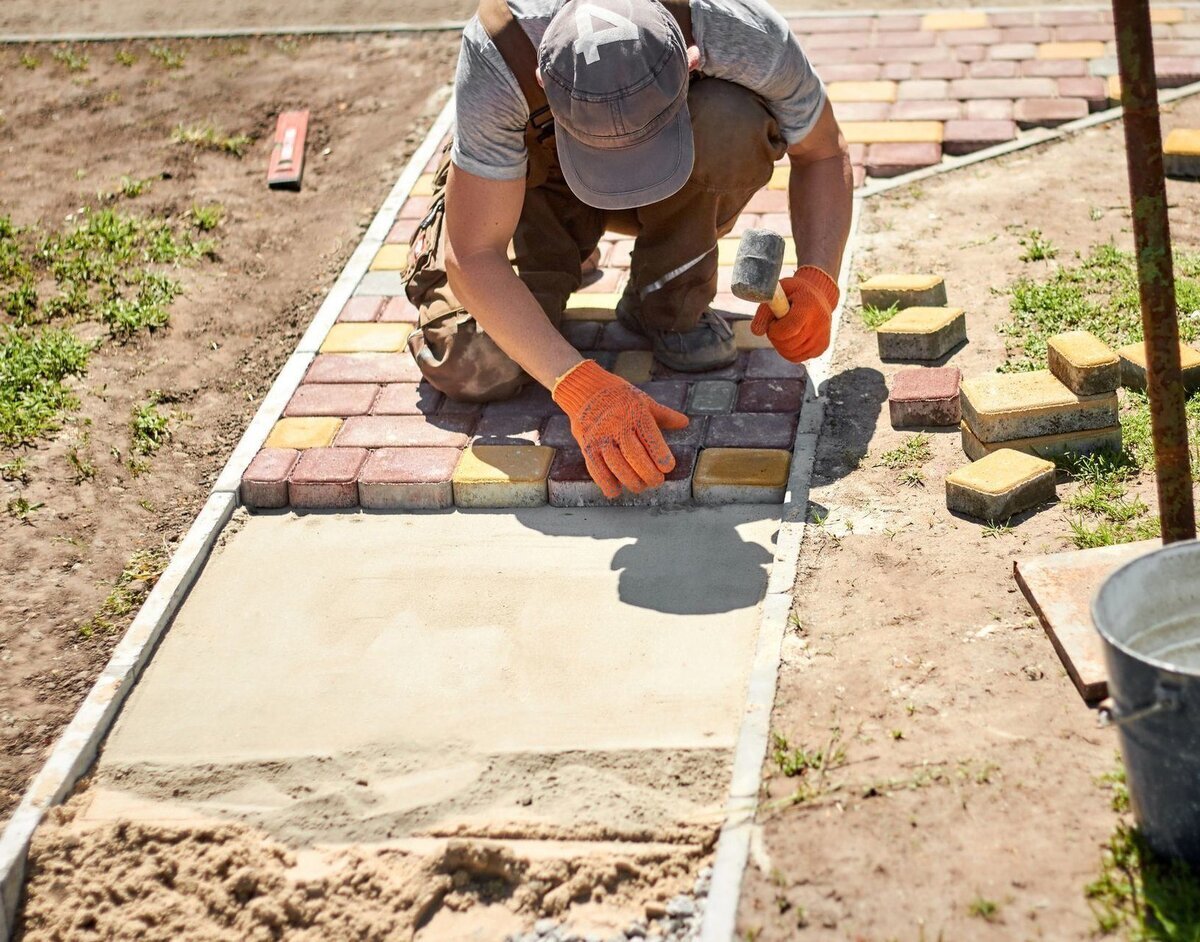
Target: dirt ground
{"points": [[970, 760], [64, 137], [22, 17]]}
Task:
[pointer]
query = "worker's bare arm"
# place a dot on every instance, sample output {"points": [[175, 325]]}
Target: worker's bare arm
{"points": [[481, 217], [821, 194]]}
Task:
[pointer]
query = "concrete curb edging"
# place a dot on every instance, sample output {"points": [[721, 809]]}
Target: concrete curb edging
{"points": [[79, 742]]}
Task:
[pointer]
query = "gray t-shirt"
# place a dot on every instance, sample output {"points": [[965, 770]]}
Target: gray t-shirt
{"points": [[741, 41]]}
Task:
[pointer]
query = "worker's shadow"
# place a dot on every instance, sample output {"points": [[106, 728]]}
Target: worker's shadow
{"points": [[854, 401], [687, 561]]}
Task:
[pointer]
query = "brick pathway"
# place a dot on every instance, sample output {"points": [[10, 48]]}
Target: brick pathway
{"points": [[363, 430]]}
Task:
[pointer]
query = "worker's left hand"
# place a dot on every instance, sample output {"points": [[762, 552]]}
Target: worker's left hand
{"points": [[803, 332]]}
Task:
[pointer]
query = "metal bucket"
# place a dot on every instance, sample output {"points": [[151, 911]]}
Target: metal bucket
{"points": [[1148, 613]]}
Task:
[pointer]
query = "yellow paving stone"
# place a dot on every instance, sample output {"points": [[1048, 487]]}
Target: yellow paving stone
{"points": [[861, 91], [502, 476], [303, 432], [597, 306], [1000, 484], [892, 132], [1083, 362], [884, 290], [921, 333], [1049, 447], [1181, 153], [1166, 15], [366, 338], [423, 186], [634, 365], [745, 340], [1133, 366], [741, 475], [780, 178], [1113, 87], [727, 253], [955, 19], [1082, 50], [391, 257], [999, 407]]}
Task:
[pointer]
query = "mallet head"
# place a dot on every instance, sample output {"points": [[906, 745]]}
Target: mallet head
{"points": [[757, 265]]}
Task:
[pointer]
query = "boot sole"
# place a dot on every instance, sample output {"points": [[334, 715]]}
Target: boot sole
{"points": [[635, 326]]}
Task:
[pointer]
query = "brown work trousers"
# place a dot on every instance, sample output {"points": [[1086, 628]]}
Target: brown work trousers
{"points": [[674, 262]]}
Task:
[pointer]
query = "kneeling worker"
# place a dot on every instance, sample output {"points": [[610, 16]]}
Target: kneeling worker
{"points": [[656, 121]]}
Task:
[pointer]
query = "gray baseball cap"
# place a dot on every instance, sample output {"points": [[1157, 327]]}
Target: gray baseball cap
{"points": [[616, 78]]}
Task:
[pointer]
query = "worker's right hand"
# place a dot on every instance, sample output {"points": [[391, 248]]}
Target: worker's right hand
{"points": [[803, 332], [617, 426]]}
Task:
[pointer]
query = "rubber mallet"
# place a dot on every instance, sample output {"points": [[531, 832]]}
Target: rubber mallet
{"points": [[756, 270]]}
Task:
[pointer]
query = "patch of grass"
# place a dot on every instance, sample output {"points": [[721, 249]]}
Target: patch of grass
{"points": [[874, 317], [811, 766], [207, 137], [914, 452], [1105, 513], [985, 909], [1115, 782], [993, 530], [136, 579], [132, 187], [1099, 293], [149, 427], [19, 508], [30, 61], [71, 60], [1037, 247], [124, 57], [207, 218], [81, 464], [34, 368], [912, 477], [170, 58]]}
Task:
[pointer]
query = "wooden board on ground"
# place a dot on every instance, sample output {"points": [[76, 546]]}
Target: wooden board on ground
{"points": [[1060, 588]]}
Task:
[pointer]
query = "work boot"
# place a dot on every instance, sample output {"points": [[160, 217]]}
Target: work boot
{"points": [[707, 346]]}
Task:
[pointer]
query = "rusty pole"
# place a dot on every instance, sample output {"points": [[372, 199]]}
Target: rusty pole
{"points": [[1156, 275]]}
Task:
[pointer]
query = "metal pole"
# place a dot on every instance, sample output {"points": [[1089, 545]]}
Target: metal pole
{"points": [[1156, 276]]}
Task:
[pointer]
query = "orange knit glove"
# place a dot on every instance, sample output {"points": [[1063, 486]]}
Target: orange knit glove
{"points": [[617, 426], [803, 332]]}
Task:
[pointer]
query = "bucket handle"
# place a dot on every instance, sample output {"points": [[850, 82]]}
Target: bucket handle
{"points": [[1166, 700]]}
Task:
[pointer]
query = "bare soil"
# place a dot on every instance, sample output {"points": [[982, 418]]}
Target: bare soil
{"points": [[971, 763], [63, 137]]}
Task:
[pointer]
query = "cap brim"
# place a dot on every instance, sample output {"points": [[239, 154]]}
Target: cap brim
{"points": [[629, 177]]}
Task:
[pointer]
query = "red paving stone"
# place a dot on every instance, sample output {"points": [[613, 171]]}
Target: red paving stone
{"points": [[264, 485], [750, 430], [770, 395], [767, 364], [509, 429], [1048, 112], [925, 398], [363, 368], [398, 310], [361, 310], [335, 399], [532, 400], [404, 431], [965, 137], [570, 485], [408, 479], [671, 393], [892, 160], [557, 433], [407, 399], [326, 478]]}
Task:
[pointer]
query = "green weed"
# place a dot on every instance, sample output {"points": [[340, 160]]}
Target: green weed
{"points": [[984, 909], [207, 137], [136, 579], [914, 452], [149, 427], [19, 508], [30, 61], [1037, 247], [170, 58], [73, 61], [993, 530], [124, 57], [875, 317], [911, 477], [132, 187], [207, 218], [82, 466], [796, 761], [34, 368]]}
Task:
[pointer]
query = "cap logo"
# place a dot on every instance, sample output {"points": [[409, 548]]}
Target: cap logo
{"points": [[589, 41]]}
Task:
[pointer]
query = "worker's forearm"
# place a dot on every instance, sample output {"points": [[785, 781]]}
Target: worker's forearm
{"points": [[821, 202], [489, 288]]}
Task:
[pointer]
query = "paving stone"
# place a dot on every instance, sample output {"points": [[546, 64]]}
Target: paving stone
{"points": [[746, 339], [583, 335], [458, 407], [303, 432], [415, 207], [882, 291], [994, 69], [1174, 71], [1011, 52], [533, 399], [965, 137], [1050, 447], [405, 431], [741, 476], [989, 109], [264, 484], [671, 393], [888, 22], [1084, 363], [1052, 17], [851, 72], [570, 485], [1048, 112], [402, 231], [925, 398], [1000, 485], [892, 132], [1085, 50], [407, 399], [634, 365], [1091, 89], [980, 37], [768, 364], [908, 40], [361, 310], [1167, 15], [509, 429], [846, 112], [1026, 34], [502, 476], [712, 397], [969, 53], [332, 399], [423, 185], [922, 90], [770, 395], [408, 479], [999, 407], [861, 91], [1090, 32], [892, 160], [363, 368], [751, 430], [591, 307], [1055, 68], [1004, 88], [381, 284], [1181, 153], [366, 338], [780, 177], [955, 19], [399, 310], [922, 333], [768, 201], [604, 358], [390, 257], [1133, 366], [734, 371], [557, 433], [692, 436], [947, 69], [326, 479]]}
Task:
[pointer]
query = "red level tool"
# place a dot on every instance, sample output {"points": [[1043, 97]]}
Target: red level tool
{"points": [[287, 157]]}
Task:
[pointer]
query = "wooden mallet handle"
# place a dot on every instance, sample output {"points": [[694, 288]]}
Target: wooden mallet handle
{"points": [[779, 302]]}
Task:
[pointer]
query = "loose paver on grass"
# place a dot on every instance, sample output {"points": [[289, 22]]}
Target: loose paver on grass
{"points": [[1050, 447], [1004, 406], [1082, 361], [1000, 485], [1133, 366]]}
